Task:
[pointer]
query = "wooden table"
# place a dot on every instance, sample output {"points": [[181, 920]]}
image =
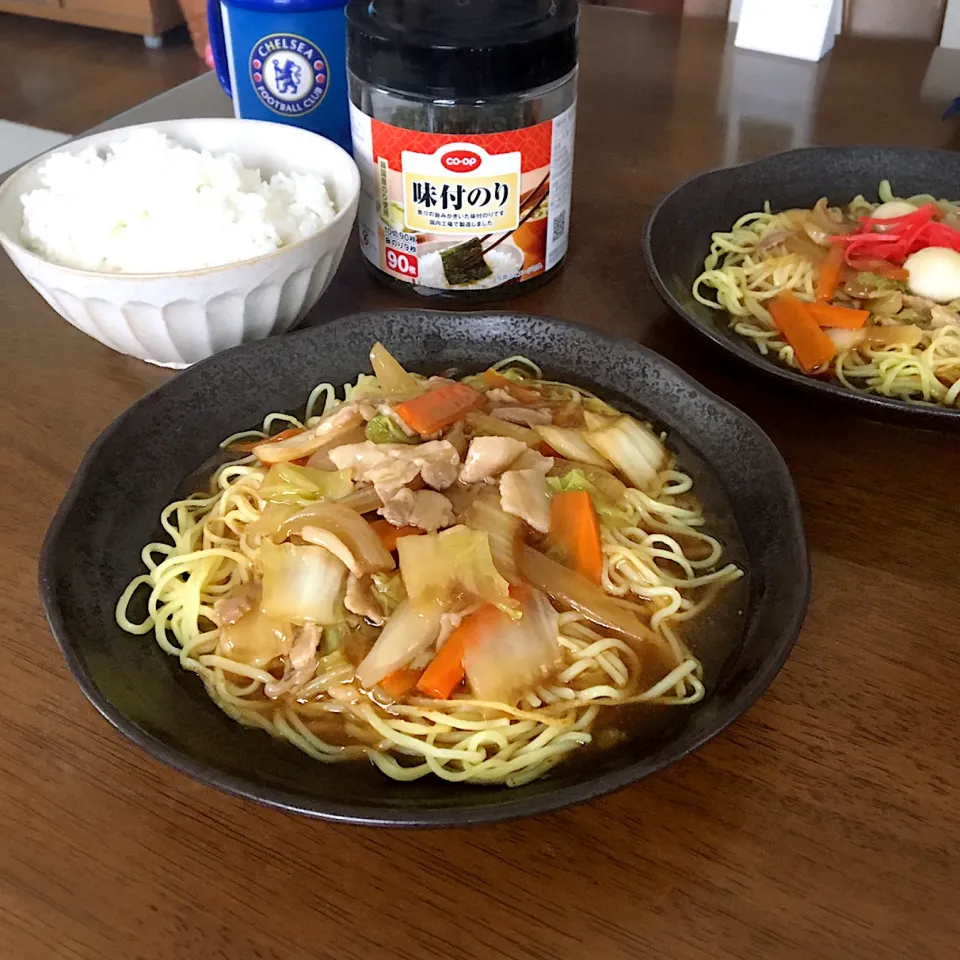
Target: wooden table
{"points": [[824, 824]]}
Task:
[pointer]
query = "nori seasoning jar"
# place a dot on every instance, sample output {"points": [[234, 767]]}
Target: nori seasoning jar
{"points": [[463, 115]]}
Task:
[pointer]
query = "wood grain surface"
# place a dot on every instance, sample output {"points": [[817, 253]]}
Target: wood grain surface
{"points": [[824, 824], [66, 77]]}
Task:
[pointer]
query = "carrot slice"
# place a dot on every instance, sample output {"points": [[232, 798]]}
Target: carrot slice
{"points": [[399, 683], [493, 379], [827, 315], [446, 671], [829, 277], [811, 346], [251, 445], [440, 408], [389, 534], [575, 530]]}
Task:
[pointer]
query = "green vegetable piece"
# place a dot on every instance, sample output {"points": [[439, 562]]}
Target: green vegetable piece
{"points": [[382, 429], [574, 480], [333, 638], [389, 591], [577, 480], [292, 484], [873, 281]]}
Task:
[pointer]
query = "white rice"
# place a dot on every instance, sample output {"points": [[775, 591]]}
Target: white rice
{"points": [[149, 205], [502, 263]]}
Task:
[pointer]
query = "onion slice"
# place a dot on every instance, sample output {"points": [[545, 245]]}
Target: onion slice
{"points": [[344, 523], [390, 374], [505, 533], [571, 588], [339, 422]]}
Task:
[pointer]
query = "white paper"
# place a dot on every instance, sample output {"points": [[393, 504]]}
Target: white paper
{"points": [[733, 13], [804, 29], [950, 36]]}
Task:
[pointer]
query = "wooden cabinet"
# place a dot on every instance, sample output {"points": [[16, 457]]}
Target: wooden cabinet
{"points": [[147, 17]]}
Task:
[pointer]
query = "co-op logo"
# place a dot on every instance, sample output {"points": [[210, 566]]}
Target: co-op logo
{"points": [[461, 161], [289, 73]]}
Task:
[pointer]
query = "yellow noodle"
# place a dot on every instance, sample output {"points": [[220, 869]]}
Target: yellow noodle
{"points": [[739, 275], [461, 739]]}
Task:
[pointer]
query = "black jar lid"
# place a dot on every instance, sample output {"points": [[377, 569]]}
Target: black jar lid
{"points": [[461, 49]]}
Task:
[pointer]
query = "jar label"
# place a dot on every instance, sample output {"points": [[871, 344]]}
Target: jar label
{"points": [[464, 211]]}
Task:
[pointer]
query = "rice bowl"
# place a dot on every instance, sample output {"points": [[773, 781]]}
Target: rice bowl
{"points": [[148, 204], [174, 319]]}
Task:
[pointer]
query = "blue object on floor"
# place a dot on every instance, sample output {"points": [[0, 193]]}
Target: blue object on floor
{"points": [[284, 60]]}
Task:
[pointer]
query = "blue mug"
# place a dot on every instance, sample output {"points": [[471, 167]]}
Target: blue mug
{"points": [[284, 60]]}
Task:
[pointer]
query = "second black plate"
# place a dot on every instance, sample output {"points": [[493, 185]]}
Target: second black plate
{"points": [[677, 239]]}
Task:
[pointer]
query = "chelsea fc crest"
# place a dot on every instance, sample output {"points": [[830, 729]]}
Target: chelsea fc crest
{"points": [[289, 73]]}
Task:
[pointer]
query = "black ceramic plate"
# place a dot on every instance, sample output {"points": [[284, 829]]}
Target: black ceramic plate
{"points": [[141, 461], [677, 239]]}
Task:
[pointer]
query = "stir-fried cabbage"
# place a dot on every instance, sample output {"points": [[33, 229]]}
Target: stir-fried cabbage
{"points": [[453, 569], [301, 583], [508, 656], [383, 429], [364, 500], [288, 483], [878, 284], [632, 448], [408, 633], [571, 442], [256, 639], [389, 591], [596, 421]]}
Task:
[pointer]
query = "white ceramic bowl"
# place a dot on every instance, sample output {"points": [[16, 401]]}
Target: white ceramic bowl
{"points": [[175, 319]]}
